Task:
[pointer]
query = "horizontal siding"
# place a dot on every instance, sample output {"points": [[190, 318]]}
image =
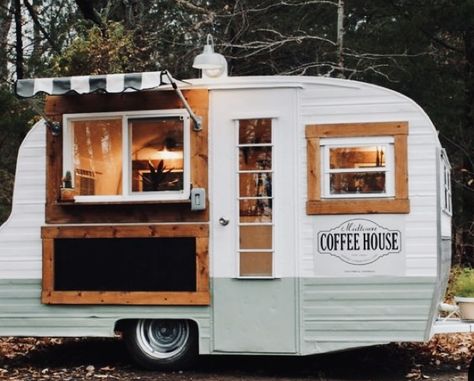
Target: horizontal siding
{"points": [[20, 236], [345, 311], [366, 103], [22, 314]]}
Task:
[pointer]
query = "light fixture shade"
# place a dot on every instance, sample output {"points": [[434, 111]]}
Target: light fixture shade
{"points": [[208, 59], [212, 64]]}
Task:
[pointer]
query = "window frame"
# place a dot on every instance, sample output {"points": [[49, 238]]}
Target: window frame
{"points": [[328, 143], [239, 197], [317, 200], [127, 194], [446, 186]]}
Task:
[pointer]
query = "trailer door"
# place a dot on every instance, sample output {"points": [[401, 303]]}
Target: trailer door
{"points": [[252, 196]]}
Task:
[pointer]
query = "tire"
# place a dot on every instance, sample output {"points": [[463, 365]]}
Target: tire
{"points": [[162, 344], [470, 375]]}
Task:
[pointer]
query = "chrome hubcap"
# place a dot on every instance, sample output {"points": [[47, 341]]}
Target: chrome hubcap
{"points": [[162, 339]]}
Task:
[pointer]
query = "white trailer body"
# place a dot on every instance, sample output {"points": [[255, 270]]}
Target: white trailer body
{"points": [[307, 253]]}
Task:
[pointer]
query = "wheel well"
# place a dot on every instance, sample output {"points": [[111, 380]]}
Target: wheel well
{"points": [[121, 325]]}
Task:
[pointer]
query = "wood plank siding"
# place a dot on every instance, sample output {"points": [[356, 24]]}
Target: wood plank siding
{"points": [[146, 212]]}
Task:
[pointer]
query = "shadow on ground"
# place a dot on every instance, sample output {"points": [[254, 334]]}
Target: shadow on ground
{"points": [[109, 357]]}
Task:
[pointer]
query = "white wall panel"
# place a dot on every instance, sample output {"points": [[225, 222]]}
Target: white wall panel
{"points": [[372, 104], [20, 235]]}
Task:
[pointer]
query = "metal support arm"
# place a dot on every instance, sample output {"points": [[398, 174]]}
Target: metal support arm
{"points": [[196, 119]]}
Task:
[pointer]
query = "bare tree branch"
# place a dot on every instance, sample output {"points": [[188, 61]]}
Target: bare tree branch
{"points": [[35, 19], [259, 46], [280, 4]]}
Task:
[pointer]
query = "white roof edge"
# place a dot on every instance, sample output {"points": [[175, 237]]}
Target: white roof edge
{"points": [[269, 81], [282, 81]]}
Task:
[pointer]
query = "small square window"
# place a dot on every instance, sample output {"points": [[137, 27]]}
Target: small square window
{"points": [[357, 168]]}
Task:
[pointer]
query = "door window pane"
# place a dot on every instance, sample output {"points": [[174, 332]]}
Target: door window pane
{"points": [[98, 157], [255, 131], [256, 210], [157, 154], [255, 185], [256, 236], [255, 158], [256, 263]]}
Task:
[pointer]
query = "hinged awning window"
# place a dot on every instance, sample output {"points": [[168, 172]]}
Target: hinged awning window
{"points": [[109, 83]]}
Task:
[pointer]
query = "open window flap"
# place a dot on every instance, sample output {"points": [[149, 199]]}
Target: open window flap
{"points": [[109, 83]]}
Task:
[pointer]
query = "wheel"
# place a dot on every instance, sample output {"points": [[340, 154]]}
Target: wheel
{"points": [[162, 344]]}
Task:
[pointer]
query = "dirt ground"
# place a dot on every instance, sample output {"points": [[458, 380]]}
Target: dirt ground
{"points": [[106, 359]]}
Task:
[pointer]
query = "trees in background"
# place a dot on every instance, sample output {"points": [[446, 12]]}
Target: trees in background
{"points": [[422, 48]]}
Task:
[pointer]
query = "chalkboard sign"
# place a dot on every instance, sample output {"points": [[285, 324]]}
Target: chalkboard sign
{"points": [[125, 264]]}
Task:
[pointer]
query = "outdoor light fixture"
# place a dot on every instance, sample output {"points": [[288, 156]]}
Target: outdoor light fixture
{"points": [[212, 64]]}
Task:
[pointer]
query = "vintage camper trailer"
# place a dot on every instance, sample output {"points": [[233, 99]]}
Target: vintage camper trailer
{"points": [[271, 215]]}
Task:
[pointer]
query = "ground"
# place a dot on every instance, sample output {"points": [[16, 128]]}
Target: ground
{"points": [[444, 358]]}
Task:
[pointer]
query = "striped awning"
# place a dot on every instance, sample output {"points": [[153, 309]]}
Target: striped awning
{"points": [[109, 83]]}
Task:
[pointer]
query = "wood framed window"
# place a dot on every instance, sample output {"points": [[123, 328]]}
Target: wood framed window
{"points": [[255, 197], [357, 168], [127, 264], [128, 156]]}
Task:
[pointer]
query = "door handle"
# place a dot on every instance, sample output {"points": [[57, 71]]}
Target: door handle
{"points": [[223, 221]]}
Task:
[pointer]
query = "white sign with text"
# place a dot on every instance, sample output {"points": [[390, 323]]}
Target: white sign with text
{"points": [[359, 246]]}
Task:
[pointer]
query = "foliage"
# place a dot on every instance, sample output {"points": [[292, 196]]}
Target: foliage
{"points": [[100, 51], [464, 283], [423, 49], [157, 178], [6, 179], [67, 180]]}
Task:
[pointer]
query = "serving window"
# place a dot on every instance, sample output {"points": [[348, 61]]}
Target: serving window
{"points": [[357, 168], [128, 156]]}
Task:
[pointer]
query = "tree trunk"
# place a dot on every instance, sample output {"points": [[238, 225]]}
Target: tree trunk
{"points": [[19, 40], [340, 38], [6, 13]]}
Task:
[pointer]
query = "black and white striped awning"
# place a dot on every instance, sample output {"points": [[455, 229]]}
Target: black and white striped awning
{"points": [[109, 83]]}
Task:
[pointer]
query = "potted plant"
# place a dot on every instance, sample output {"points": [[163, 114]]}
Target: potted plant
{"points": [[67, 191], [464, 293], [158, 178]]}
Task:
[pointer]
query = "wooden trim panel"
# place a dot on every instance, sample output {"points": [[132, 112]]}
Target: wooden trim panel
{"points": [[199, 231], [356, 129], [372, 206], [130, 298], [126, 231], [318, 205], [58, 212]]}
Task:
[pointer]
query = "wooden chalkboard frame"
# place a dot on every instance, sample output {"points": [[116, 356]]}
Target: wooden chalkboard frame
{"points": [[198, 231]]}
